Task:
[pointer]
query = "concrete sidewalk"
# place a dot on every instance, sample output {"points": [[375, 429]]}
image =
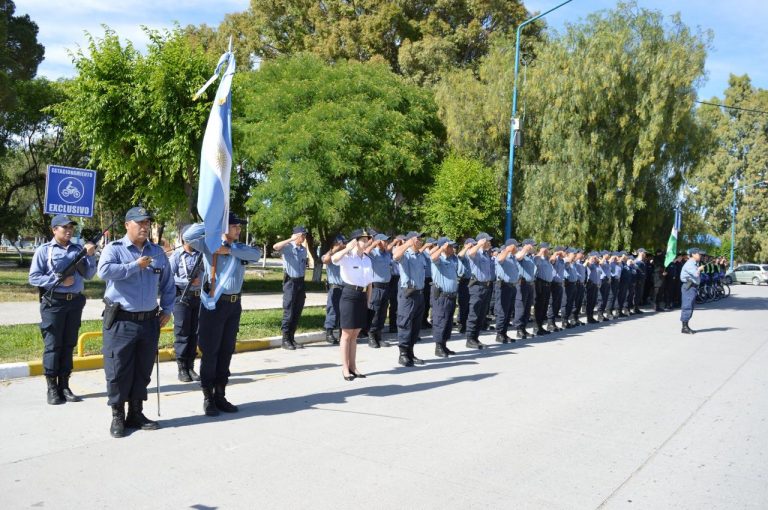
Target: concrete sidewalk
{"points": [[627, 414]]}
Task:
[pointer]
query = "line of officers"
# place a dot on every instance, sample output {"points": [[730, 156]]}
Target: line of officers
{"points": [[412, 274]]}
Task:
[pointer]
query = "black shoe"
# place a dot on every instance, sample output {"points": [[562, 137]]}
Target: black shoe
{"points": [[65, 392], [287, 344], [440, 351], [404, 358], [637, 311], [219, 398], [622, 314], [191, 370], [293, 342], [551, 326], [350, 377], [373, 340], [591, 320], [473, 343], [135, 418], [209, 407], [183, 374], [501, 338], [450, 352], [578, 323], [462, 329], [414, 359], [522, 334], [607, 316], [358, 375], [686, 329], [330, 338], [52, 395], [117, 428]]}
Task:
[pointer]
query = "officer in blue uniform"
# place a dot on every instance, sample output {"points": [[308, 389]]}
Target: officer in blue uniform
{"points": [[581, 271], [186, 272], [524, 291], [556, 288], [334, 284], [220, 318], [606, 282], [614, 308], [594, 280], [625, 282], [465, 274], [60, 316], [381, 264], [294, 292], [136, 271], [642, 268], [507, 281], [690, 278], [544, 275], [480, 288], [394, 285], [445, 286], [425, 251], [570, 280], [410, 297]]}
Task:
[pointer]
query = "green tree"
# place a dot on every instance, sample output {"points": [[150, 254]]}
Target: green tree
{"points": [[738, 157], [463, 200], [334, 146]]}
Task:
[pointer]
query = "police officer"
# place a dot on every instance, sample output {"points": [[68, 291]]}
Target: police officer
{"points": [[220, 311], [410, 297], [294, 293], [606, 283], [186, 271], [136, 272], [625, 281], [615, 271], [642, 268], [445, 286], [425, 251], [570, 280], [594, 280], [381, 261], [629, 263], [507, 281], [581, 282], [544, 275], [524, 290], [690, 277], [480, 287], [556, 288], [60, 315], [334, 283], [465, 274], [394, 285]]}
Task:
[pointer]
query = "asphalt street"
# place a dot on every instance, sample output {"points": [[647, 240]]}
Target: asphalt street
{"points": [[627, 414]]}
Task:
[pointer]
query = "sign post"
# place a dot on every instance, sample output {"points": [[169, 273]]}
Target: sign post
{"points": [[70, 191]]}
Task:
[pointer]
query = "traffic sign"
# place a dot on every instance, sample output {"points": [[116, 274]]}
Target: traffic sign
{"points": [[70, 191]]}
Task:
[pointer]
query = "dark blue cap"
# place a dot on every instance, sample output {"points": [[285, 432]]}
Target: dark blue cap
{"points": [[571, 250], [299, 230], [60, 219], [641, 250], [444, 240], [137, 214], [579, 250], [483, 235], [380, 237], [400, 237], [340, 239], [360, 232], [528, 241], [470, 240], [410, 235], [234, 220], [559, 248], [694, 251], [511, 242], [592, 254], [543, 245]]}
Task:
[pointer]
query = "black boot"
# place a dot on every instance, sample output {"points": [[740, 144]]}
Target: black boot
{"points": [[183, 372], [591, 320], [502, 338], [330, 338], [191, 370], [374, 340], [474, 343], [117, 428], [522, 334], [686, 329], [219, 398], [64, 390], [287, 344], [440, 351], [209, 407], [552, 327], [414, 359], [463, 329], [53, 396], [293, 341], [135, 418], [405, 358], [578, 322]]}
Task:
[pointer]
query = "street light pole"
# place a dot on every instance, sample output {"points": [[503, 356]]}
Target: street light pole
{"points": [[733, 214], [514, 126]]}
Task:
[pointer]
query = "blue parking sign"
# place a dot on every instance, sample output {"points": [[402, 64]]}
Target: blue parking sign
{"points": [[70, 191]]}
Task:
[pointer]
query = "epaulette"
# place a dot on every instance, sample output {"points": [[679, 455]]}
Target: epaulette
{"points": [[118, 242]]}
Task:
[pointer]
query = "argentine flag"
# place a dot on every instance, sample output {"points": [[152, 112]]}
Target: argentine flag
{"points": [[216, 156]]}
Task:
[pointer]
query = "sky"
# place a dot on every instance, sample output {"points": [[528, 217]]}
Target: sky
{"points": [[739, 45]]}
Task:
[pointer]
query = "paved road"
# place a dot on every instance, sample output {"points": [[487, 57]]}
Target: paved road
{"points": [[631, 414]]}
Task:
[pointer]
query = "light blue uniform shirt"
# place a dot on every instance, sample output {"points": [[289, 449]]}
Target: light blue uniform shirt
{"points": [[571, 273], [559, 267], [411, 270], [395, 267], [508, 270], [427, 264], [51, 258], [689, 272], [240, 255], [615, 269], [481, 266], [605, 269], [544, 269], [581, 271], [294, 260], [182, 264], [528, 268], [333, 274], [381, 261], [136, 289], [464, 270], [595, 273], [445, 273]]}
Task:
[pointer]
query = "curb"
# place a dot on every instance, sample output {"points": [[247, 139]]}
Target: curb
{"points": [[96, 361]]}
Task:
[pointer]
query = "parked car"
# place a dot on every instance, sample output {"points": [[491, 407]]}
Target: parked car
{"points": [[748, 273]]}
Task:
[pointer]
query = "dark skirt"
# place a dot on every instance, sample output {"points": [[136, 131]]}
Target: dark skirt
{"points": [[353, 309]]}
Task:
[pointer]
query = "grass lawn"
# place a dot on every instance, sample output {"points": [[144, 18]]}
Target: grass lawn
{"points": [[23, 342]]}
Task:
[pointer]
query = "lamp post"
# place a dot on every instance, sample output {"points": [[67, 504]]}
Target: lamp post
{"points": [[515, 125], [733, 214]]}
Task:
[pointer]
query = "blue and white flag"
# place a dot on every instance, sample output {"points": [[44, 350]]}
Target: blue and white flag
{"points": [[216, 156]]}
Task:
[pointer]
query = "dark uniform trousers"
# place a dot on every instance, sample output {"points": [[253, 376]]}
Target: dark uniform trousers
{"points": [[294, 296], [479, 301], [443, 306], [570, 299], [542, 301], [688, 299], [394, 285], [463, 301], [506, 294], [59, 325], [591, 290], [129, 352], [639, 289], [556, 300], [614, 299], [218, 335], [579, 299], [427, 299], [332, 307], [378, 307], [185, 319], [605, 291], [410, 311], [631, 285], [523, 303], [624, 284]]}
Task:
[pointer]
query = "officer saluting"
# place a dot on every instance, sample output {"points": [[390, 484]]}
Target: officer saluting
{"points": [[381, 262], [410, 297], [60, 316], [220, 318], [507, 282], [136, 271], [294, 293], [186, 272], [480, 288], [334, 283], [445, 282]]}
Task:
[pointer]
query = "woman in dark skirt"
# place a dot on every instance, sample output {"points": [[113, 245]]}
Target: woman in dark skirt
{"points": [[357, 275]]}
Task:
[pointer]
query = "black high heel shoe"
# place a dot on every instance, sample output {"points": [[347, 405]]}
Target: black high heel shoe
{"points": [[358, 375], [348, 377]]}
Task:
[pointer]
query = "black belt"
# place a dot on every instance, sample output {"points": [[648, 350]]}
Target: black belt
{"points": [[194, 293], [66, 296], [484, 284], [593, 284], [229, 298], [569, 283], [124, 315], [294, 277], [381, 285], [463, 280], [438, 293], [502, 283], [334, 286], [354, 287], [544, 282]]}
